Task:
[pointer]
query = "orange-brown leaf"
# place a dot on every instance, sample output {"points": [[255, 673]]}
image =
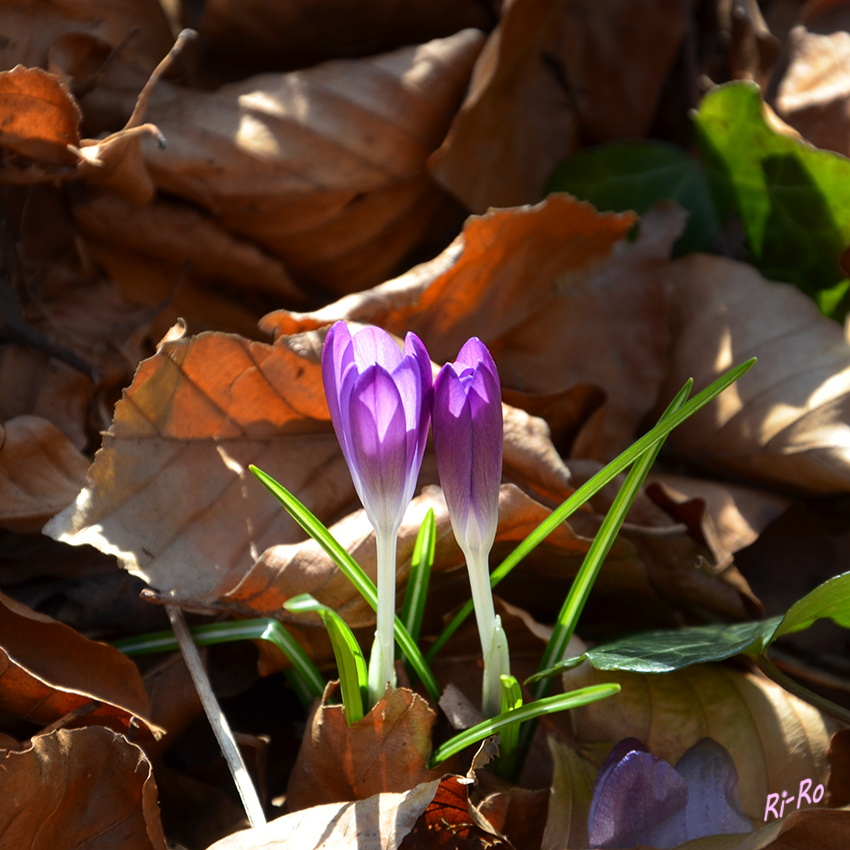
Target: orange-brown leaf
{"points": [[78, 788], [40, 473], [48, 670]]}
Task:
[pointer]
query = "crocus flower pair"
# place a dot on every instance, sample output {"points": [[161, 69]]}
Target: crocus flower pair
{"points": [[381, 402], [641, 799]]}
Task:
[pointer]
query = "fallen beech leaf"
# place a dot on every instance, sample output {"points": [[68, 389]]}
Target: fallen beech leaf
{"points": [[40, 473], [573, 777], [450, 820], [179, 234], [784, 422], [301, 33], [324, 167], [79, 788], [387, 750], [775, 739], [814, 93], [519, 814], [41, 119], [379, 823], [34, 383], [546, 78], [727, 517], [49, 670], [553, 296]]}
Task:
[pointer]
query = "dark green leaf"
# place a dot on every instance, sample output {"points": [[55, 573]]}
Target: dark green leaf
{"points": [[634, 175]]}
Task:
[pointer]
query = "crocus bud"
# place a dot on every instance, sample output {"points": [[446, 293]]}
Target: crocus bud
{"points": [[380, 405], [468, 430]]}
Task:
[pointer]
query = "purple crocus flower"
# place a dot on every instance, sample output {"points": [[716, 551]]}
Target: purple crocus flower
{"points": [[641, 799], [380, 404], [468, 443]]}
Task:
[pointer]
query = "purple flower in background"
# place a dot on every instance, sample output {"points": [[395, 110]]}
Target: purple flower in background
{"points": [[641, 799], [468, 432], [380, 405]]}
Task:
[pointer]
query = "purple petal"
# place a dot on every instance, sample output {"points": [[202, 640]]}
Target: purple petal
{"points": [[637, 798], [378, 440], [474, 352], [714, 807], [453, 445], [375, 346], [414, 348], [336, 355]]}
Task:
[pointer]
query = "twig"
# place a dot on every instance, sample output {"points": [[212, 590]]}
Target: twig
{"points": [[220, 726]]}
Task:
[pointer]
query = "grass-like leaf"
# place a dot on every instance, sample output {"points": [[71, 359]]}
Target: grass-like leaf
{"points": [[509, 737], [317, 530], [590, 488], [350, 664], [259, 629], [532, 711], [420, 575]]}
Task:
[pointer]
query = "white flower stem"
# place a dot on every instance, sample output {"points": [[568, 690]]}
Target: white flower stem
{"points": [[385, 631], [477, 563]]}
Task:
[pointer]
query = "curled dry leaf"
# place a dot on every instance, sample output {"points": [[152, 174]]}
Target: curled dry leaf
{"points": [[545, 83], [49, 670], [386, 750], [324, 167], [775, 739], [785, 422], [297, 34], [727, 517], [40, 473], [75, 788], [553, 295], [42, 120]]}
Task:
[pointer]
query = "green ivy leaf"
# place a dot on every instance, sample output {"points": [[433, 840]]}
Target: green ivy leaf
{"points": [[634, 175], [666, 651], [793, 199]]}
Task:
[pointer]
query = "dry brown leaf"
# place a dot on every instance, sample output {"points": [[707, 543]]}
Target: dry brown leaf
{"points": [[78, 788], [380, 823], [727, 517], [41, 121], [49, 670], [386, 750], [40, 473], [324, 167], [33, 383], [427, 816], [519, 814], [179, 234], [775, 739], [545, 83], [256, 33], [785, 422], [814, 93], [551, 292]]}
